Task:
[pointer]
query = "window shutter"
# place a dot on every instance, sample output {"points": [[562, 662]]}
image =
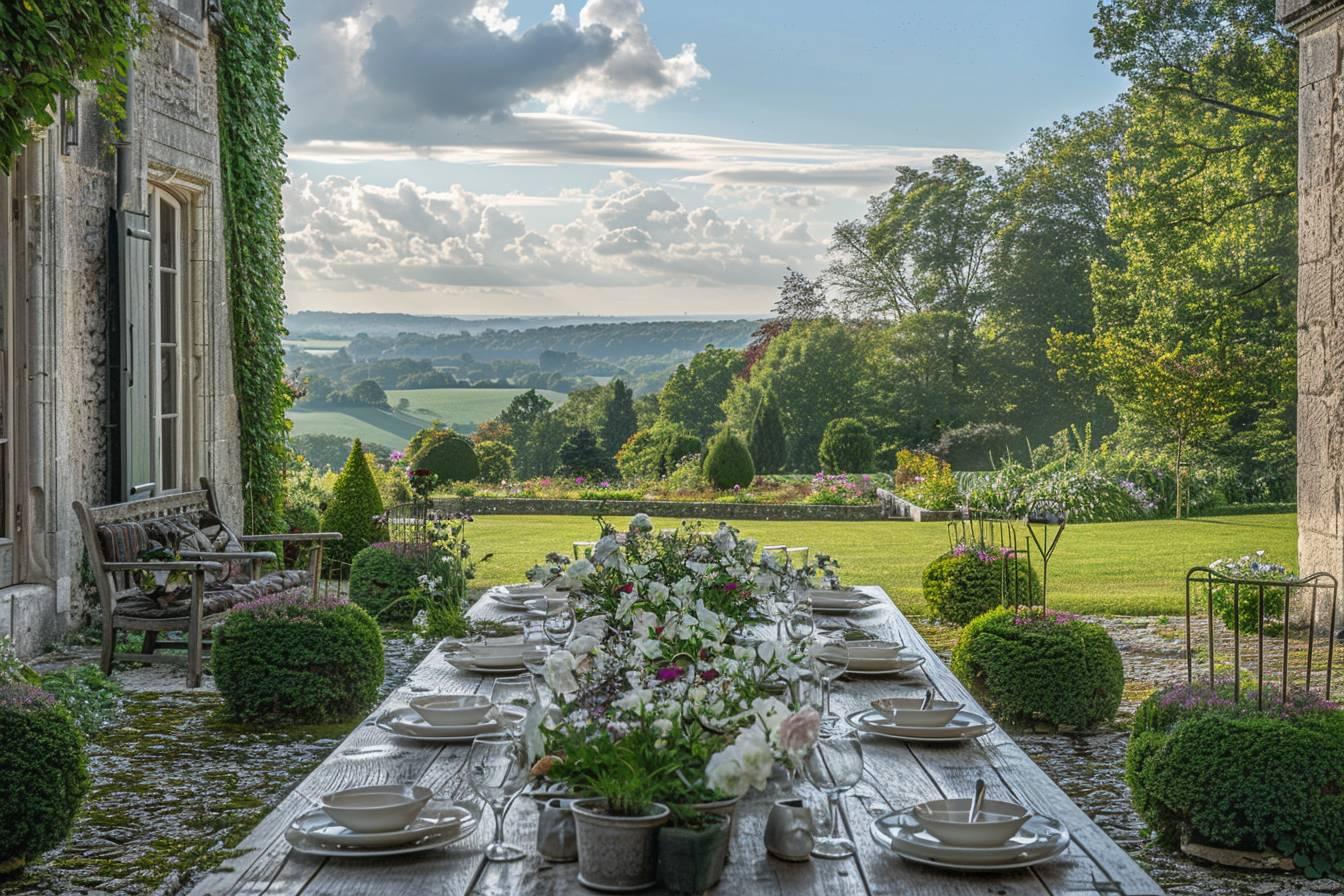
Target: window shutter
{"points": [[137, 416]]}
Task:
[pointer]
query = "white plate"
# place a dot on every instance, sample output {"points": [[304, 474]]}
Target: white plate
{"points": [[840, 604], [409, 729], [1040, 838], [308, 846], [966, 725], [478, 669], [405, 720], [318, 827], [902, 667]]}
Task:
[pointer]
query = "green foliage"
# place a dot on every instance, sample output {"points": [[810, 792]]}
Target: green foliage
{"points": [[448, 456], [1246, 606], [49, 48], [292, 658], [1041, 667], [383, 575], [978, 446], [354, 507], [1242, 779], [12, 669], [973, 579], [766, 438], [694, 394], [846, 447], [370, 393], [728, 461], [925, 481], [253, 57], [581, 455], [496, 461], [301, 517], [43, 775], [654, 453], [91, 697], [328, 452], [619, 421]]}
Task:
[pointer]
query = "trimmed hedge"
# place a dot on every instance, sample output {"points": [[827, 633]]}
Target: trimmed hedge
{"points": [[353, 509], [964, 583], [728, 461], [292, 658], [1234, 777], [383, 573], [448, 456], [846, 447], [1041, 666], [43, 775]]}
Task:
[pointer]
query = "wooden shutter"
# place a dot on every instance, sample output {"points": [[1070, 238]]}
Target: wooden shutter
{"points": [[137, 414]]}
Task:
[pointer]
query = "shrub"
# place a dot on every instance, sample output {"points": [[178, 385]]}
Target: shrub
{"points": [[925, 481], [581, 455], [837, 488], [728, 462], [1041, 666], [1235, 777], [301, 518], [846, 447], [354, 507], [90, 696], [972, 579], [43, 775], [1240, 607], [496, 461], [291, 657], [384, 574], [653, 453], [448, 456]]}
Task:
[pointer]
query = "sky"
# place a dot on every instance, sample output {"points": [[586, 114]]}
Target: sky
{"points": [[669, 158]]}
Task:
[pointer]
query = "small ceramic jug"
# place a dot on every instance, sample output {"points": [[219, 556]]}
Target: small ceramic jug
{"points": [[788, 831], [556, 837]]}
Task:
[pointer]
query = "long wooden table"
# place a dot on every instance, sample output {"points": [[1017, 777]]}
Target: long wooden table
{"points": [[897, 775]]}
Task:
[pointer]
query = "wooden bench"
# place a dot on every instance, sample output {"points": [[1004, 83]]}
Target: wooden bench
{"points": [[117, 534]]}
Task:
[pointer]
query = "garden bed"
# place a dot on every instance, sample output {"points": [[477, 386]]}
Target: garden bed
{"points": [[712, 510]]}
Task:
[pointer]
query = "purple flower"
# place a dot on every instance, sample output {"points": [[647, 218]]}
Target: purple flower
{"points": [[670, 673], [24, 696], [579, 480], [396, 455]]}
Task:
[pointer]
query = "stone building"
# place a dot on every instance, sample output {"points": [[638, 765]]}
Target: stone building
{"points": [[115, 359]]}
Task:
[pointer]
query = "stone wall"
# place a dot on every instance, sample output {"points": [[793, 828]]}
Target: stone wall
{"points": [[707, 510], [1320, 303]]}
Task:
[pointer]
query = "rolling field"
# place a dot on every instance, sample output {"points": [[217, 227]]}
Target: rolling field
{"points": [[388, 428], [462, 405], [1133, 568]]}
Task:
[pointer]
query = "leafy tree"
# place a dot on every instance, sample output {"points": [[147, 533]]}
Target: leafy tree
{"points": [[525, 408], [728, 461], [581, 455], [846, 447], [766, 439], [370, 393], [694, 394], [324, 450], [654, 452], [800, 298], [619, 420], [537, 444], [496, 461], [353, 509], [494, 430]]}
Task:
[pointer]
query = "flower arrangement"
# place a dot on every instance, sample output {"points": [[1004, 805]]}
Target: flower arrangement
{"points": [[1241, 607]]}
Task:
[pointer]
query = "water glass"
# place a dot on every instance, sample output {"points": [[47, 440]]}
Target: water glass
{"points": [[497, 769], [830, 659], [559, 625], [514, 690], [833, 766]]}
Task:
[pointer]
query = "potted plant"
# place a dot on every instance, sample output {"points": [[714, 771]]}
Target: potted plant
{"points": [[617, 833], [692, 850]]}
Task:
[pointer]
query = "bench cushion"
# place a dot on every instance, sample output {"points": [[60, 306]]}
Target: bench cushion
{"points": [[218, 597], [123, 542]]}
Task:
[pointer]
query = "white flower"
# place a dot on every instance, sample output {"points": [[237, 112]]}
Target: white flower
{"points": [[593, 627], [726, 773], [633, 699], [559, 672], [627, 604], [579, 570], [640, 522], [724, 539], [663, 727], [581, 645], [605, 547], [643, 623], [531, 736], [770, 711]]}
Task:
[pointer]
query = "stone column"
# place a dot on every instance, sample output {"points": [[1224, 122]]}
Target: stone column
{"points": [[1319, 25]]}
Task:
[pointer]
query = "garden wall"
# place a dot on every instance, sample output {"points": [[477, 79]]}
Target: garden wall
{"points": [[677, 509]]}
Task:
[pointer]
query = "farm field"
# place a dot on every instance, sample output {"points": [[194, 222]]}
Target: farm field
{"points": [[462, 405]]}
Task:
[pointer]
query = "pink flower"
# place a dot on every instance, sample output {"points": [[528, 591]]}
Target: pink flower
{"points": [[670, 673], [709, 674], [396, 455], [798, 732]]}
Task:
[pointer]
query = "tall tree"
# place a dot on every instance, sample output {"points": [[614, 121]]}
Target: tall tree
{"points": [[766, 437], [695, 392], [619, 422]]}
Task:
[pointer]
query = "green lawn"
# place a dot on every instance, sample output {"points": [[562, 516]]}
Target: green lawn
{"points": [[390, 428], [1126, 568], [462, 405]]}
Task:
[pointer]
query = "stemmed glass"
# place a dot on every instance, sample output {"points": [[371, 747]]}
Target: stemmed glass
{"points": [[514, 690], [537, 648], [559, 625], [497, 769], [834, 765], [800, 624], [830, 659]]}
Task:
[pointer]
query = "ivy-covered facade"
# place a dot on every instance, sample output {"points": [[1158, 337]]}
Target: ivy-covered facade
{"points": [[116, 356]]}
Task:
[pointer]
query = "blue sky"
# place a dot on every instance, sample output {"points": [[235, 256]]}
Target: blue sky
{"points": [[484, 156]]}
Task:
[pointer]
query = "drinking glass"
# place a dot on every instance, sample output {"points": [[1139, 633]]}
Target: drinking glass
{"points": [[514, 690], [559, 625], [497, 769], [800, 625], [833, 766], [830, 659]]}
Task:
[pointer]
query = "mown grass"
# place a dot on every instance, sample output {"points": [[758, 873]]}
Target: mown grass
{"points": [[1120, 568]]}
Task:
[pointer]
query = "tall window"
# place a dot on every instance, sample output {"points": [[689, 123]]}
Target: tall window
{"points": [[167, 282]]}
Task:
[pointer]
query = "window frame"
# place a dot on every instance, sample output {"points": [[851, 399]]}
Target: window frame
{"points": [[180, 303]]}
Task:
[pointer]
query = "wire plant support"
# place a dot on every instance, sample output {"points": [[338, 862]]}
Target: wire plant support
{"points": [[1269, 612]]}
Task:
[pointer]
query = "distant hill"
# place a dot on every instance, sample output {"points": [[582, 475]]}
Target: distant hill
{"points": [[343, 325]]}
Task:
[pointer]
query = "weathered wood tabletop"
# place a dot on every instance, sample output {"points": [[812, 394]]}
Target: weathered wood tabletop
{"points": [[897, 775]]}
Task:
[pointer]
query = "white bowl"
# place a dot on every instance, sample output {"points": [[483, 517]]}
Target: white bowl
{"points": [[907, 711], [373, 810], [874, 650], [452, 709], [947, 820]]}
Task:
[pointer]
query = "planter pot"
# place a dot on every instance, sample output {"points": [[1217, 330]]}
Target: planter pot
{"points": [[556, 840], [726, 808], [690, 860], [788, 831], [617, 854]]}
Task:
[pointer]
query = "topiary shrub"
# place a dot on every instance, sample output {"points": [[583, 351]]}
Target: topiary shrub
{"points": [[448, 456], [383, 574], [728, 462], [1041, 666], [43, 776], [969, 580], [290, 657], [354, 508], [1235, 777], [846, 447]]}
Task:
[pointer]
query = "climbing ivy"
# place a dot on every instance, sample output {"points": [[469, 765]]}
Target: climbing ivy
{"points": [[47, 46], [253, 57]]}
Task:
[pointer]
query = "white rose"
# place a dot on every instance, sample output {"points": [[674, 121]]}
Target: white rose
{"points": [[605, 547], [640, 522], [726, 773], [559, 672], [581, 645]]}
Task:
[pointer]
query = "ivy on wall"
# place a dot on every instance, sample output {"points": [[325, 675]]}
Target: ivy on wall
{"points": [[253, 57], [47, 46]]}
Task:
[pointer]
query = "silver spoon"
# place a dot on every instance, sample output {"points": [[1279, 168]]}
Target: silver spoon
{"points": [[976, 800], [928, 699]]}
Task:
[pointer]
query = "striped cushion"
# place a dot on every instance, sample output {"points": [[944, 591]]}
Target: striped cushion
{"points": [[123, 542]]}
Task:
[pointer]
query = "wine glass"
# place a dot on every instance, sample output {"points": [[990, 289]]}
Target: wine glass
{"points": [[830, 659], [515, 691], [800, 624], [833, 766], [559, 625], [497, 769]]}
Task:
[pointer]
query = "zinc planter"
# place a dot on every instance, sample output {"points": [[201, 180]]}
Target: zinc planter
{"points": [[617, 854], [690, 860]]}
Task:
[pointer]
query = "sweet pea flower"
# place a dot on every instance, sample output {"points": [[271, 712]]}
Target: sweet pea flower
{"points": [[798, 732]]}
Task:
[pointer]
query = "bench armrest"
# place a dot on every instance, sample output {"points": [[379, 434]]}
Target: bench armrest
{"points": [[291, 536], [165, 566], [227, 556]]}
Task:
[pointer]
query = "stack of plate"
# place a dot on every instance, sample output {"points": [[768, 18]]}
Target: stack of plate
{"points": [[839, 603], [515, 597], [873, 658], [965, 725], [488, 659], [406, 722], [398, 825], [1036, 841]]}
